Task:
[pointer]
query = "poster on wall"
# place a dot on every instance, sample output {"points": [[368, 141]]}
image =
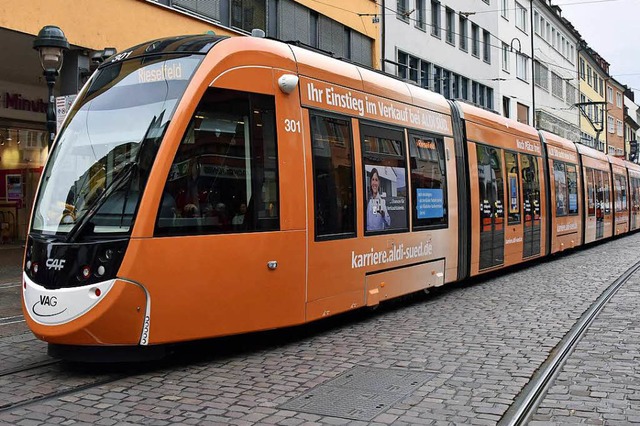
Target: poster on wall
{"points": [[14, 188], [63, 105]]}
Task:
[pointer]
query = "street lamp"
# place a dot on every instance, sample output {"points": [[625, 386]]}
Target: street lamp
{"points": [[50, 44]]}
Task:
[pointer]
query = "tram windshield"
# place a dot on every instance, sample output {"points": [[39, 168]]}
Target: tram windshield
{"points": [[99, 166]]}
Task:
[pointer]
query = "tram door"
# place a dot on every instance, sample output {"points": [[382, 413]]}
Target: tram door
{"points": [[531, 206], [491, 186], [600, 203]]}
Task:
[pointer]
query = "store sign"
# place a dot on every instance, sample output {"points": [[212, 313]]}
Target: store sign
{"points": [[17, 102]]}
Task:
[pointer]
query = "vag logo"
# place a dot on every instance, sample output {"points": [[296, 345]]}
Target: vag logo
{"points": [[56, 264]]}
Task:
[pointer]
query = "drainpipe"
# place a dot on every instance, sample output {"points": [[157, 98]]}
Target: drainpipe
{"points": [[382, 36], [533, 86]]}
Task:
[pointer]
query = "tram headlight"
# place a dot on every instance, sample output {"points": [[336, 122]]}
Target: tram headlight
{"points": [[85, 272]]}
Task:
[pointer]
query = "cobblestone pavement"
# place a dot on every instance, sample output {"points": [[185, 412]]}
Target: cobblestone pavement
{"points": [[11, 321], [600, 382], [10, 262], [482, 342]]}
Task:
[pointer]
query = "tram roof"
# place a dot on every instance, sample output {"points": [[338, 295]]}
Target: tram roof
{"points": [[591, 152], [347, 74], [558, 141], [472, 113], [179, 44], [617, 161]]}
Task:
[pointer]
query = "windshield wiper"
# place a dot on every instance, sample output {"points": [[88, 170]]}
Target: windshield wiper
{"points": [[122, 177]]}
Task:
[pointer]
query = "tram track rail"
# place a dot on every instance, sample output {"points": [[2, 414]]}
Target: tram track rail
{"points": [[4, 408], [527, 402], [66, 386], [30, 366]]}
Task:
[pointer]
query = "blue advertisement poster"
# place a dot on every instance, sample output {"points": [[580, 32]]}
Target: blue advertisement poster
{"points": [[573, 202], [513, 193], [430, 203]]}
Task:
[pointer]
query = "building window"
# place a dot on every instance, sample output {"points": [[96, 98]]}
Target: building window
{"points": [[506, 106], [463, 33], [403, 61], [582, 69], [610, 94], [547, 33], [611, 128], [464, 88], [601, 84], [536, 22], [446, 84], [504, 9], [619, 99], [521, 67], [541, 77], [414, 68], [435, 18], [402, 10], [589, 76], [420, 14], [571, 94], [486, 38], [475, 40], [557, 86], [248, 14], [572, 54], [521, 17], [424, 74], [523, 113], [619, 128], [505, 57], [451, 26], [206, 9]]}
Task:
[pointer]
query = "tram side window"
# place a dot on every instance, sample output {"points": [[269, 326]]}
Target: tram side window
{"points": [[224, 177], [606, 191], [591, 193], [428, 182], [333, 177], [635, 194], [620, 184], [511, 161], [566, 186], [561, 188], [572, 188], [385, 179]]}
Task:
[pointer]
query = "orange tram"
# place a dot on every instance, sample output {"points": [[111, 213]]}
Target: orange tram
{"points": [[205, 186]]}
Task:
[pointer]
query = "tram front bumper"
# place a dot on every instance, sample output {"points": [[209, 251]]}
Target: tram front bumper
{"points": [[112, 312]]}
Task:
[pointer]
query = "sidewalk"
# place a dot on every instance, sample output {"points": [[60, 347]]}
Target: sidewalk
{"points": [[11, 262]]}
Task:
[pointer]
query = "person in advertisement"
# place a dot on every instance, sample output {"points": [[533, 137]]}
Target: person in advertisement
{"points": [[377, 215]]}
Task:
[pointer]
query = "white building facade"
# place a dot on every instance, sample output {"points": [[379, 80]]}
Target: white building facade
{"points": [[515, 72], [481, 51], [631, 127], [449, 46], [555, 71]]}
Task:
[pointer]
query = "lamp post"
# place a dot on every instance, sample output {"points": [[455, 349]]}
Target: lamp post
{"points": [[50, 44]]}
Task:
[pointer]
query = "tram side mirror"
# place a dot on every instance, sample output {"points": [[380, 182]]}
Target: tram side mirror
{"points": [[287, 83]]}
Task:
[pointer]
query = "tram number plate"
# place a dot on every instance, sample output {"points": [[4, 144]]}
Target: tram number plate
{"points": [[292, 126]]}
